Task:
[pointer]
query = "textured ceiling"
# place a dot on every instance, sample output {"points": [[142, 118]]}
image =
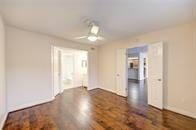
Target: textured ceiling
{"points": [[117, 18]]}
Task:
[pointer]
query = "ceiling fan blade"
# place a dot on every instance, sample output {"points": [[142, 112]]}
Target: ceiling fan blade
{"points": [[81, 37], [101, 38]]}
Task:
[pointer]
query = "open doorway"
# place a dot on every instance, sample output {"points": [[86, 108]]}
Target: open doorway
{"points": [[69, 69], [143, 68], [137, 75]]}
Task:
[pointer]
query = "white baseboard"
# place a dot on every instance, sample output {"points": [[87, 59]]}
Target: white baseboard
{"points": [[106, 89], [110, 90], [92, 88], [3, 120], [180, 111], [29, 104]]}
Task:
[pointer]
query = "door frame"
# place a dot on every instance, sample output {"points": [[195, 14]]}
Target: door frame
{"points": [[53, 48], [141, 45], [52, 67]]}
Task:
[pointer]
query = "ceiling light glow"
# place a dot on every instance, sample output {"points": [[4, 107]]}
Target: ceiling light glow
{"points": [[92, 38], [95, 30]]}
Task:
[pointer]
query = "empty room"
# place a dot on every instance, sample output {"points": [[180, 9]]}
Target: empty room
{"points": [[97, 64]]}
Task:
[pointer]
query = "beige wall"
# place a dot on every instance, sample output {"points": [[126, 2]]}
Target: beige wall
{"points": [[179, 65], [2, 74], [28, 60]]}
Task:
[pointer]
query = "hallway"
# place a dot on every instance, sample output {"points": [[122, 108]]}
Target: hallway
{"points": [[137, 92]]}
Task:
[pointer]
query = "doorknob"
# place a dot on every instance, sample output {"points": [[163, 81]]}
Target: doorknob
{"points": [[159, 79]]}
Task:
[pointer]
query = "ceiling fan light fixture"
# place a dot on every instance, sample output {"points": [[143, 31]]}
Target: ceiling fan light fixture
{"points": [[95, 29], [92, 38]]}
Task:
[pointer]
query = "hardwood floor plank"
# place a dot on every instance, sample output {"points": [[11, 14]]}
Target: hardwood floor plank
{"points": [[79, 109]]}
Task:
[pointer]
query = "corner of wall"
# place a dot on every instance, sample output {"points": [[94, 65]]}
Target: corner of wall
{"points": [[3, 120], [92, 88], [3, 105], [106, 89]]}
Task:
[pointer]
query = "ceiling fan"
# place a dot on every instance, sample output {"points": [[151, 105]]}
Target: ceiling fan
{"points": [[93, 33]]}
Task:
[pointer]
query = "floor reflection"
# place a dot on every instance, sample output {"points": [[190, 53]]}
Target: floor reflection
{"points": [[79, 109], [137, 92]]}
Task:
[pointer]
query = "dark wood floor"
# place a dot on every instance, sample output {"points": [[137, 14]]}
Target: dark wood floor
{"points": [[78, 109], [137, 93]]}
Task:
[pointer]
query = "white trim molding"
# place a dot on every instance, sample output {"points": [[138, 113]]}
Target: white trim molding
{"points": [[180, 111], [106, 89], [103, 88], [3, 120], [15, 108], [92, 88]]}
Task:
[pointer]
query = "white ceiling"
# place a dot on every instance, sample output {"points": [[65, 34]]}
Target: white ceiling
{"points": [[117, 18]]}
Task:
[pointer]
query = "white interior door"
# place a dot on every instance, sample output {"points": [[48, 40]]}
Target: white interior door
{"points": [[121, 72], [56, 72], [155, 75]]}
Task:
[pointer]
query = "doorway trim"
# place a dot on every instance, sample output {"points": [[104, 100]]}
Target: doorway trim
{"points": [[141, 45]]}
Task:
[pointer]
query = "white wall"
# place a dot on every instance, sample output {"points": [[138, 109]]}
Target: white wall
{"points": [[179, 65], [2, 74], [28, 60]]}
